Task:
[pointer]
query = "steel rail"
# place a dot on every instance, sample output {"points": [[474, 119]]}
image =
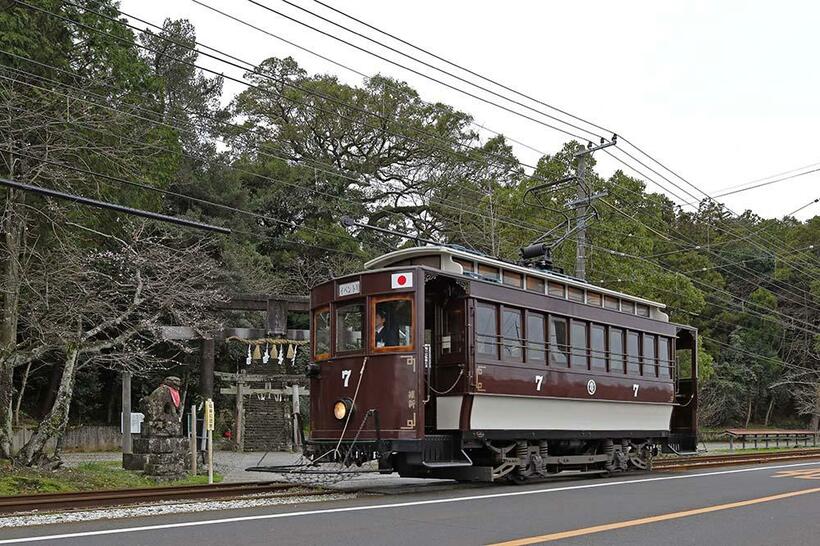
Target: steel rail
{"points": [[117, 497], [705, 461]]}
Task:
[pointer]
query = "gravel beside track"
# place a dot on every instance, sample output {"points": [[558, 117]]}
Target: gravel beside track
{"points": [[63, 501]]}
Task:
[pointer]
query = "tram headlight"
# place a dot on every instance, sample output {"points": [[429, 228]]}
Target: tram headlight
{"points": [[342, 408]]}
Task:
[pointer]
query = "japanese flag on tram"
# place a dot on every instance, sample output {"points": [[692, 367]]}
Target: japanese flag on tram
{"points": [[401, 280]]}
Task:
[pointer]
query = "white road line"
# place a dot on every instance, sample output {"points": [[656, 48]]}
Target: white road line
{"points": [[389, 506]]}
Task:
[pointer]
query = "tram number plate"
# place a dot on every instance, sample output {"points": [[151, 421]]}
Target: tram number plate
{"points": [[350, 288], [539, 379], [346, 377], [635, 388]]}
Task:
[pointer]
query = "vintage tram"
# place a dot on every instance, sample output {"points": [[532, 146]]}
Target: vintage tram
{"points": [[439, 362]]}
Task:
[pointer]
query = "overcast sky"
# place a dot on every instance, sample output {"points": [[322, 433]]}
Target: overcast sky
{"points": [[723, 93]]}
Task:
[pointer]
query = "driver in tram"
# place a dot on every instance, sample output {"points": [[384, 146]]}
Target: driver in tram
{"points": [[386, 336]]}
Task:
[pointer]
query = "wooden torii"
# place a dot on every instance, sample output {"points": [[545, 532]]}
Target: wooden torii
{"points": [[276, 308]]}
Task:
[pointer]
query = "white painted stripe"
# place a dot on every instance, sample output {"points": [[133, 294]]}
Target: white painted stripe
{"points": [[448, 412], [389, 506], [498, 412]]}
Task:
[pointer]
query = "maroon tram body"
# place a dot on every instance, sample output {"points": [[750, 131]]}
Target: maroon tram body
{"points": [[441, 363]]}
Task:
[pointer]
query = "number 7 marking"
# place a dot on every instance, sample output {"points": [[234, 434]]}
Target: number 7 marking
{"points": [[635, 388], [538, 380], [346, 377]]}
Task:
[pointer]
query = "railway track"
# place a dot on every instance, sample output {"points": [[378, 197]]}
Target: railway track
{"points": [[118, 497], [46, 502], [705, 461]]}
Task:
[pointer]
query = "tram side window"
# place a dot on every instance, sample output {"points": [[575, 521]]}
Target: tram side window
{"points": [[633, 352], [486, 330], [558, 341], [611, 303], [535, 338], [321, 333], [597, 338], [512, 335], [664, 362], [616, 350], [650, 365], [579, 345], [393, 324], [349, 323]]}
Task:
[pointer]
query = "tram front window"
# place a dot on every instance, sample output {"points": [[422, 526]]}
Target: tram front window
{"points": [[349, 327], [392, 324]]}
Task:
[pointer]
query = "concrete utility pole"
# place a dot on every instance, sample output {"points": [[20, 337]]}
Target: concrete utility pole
{"points": [[582, 202], [581, 219]]}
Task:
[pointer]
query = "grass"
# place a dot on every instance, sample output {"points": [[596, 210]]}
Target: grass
{"points": [[93, 476]]}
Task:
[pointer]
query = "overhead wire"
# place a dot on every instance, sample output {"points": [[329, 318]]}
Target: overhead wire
{"points": [[279, 13], [427, 76], [732, 297], [498, 84]]}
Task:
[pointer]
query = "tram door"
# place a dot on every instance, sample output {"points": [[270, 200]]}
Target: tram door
{"points": [[444, 344]]}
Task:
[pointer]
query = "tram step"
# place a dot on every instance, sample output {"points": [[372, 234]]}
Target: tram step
{"points": [[441, 451], [447, 464]]}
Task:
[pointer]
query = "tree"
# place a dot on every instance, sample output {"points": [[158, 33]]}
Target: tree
{"points": [[104, 305], [68, 104]]}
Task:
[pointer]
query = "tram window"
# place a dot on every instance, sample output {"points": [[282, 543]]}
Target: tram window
{"points": [[558, 341], [349, 323], [616, 350], [633, 353], [486, 330], [512, 278], [321, 333], [511, 334], [628, 307], [392, 324], [664, 363], [575, 294], [489, 272], [650, 365], [611, 303], [594, 298], [642, 310], [535, 284], [556, 289], [597, 343], [579, 345], [465, 265], [535, 337]]}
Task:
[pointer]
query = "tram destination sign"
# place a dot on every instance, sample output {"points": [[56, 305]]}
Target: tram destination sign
{"points": [[349, 288]]}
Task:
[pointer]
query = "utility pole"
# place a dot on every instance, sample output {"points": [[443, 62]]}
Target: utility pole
{"points": [[582, 202], [581, 218]]}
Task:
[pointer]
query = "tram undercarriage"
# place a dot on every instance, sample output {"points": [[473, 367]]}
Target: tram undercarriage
{"points": [[517, 461]]}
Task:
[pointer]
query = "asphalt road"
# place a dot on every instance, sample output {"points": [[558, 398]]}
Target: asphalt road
{"points": [[761, 505]]}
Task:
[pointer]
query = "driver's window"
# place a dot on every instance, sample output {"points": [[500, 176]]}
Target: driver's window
{"points": [[392, 324]]}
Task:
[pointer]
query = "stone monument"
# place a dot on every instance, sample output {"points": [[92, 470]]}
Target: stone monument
{"points": [[161, 446]]}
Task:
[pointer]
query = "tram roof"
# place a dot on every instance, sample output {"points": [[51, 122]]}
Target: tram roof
{"points": [[447, 255]]}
